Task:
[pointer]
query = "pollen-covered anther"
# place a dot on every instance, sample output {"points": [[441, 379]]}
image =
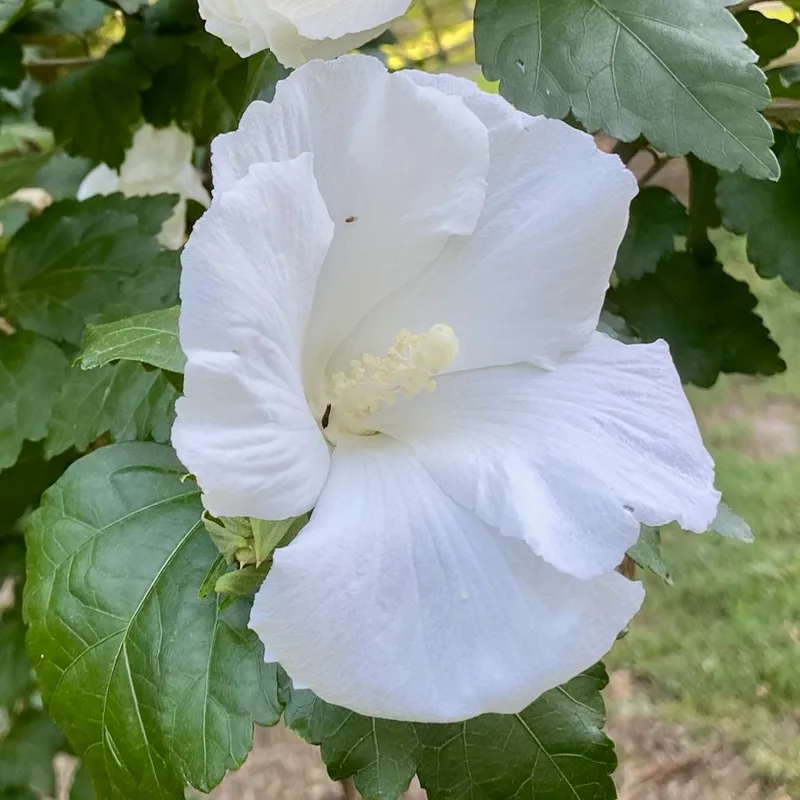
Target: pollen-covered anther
{"points": [[407, 369]]}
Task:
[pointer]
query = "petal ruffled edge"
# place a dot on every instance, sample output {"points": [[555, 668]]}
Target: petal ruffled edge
{"points": [[397, 603]]}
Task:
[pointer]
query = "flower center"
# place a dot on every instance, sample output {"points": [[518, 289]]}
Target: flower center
{"points": [[376, 381]]}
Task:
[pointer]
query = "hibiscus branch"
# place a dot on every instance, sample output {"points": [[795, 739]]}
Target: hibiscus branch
{"points": [[349, 790], [77, 61], [658, 164], [627, 150], [703, 213]]}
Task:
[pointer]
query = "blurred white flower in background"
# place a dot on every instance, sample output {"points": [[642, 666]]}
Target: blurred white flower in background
{"points": [[297, 31], [389, 316], [158, 162]]}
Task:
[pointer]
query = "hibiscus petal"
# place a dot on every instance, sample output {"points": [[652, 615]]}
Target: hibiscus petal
{"points": [[570, 460], [332, 19], [402, 168], [249, 270], [101, 180], [295, 31], [156, 158], [529, 284], [396, 602], [246, 27]]}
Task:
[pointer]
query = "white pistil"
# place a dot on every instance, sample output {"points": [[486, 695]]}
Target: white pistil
{"points": [[407, 369]]}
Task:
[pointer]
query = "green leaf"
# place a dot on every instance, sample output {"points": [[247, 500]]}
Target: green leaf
{"points": [[267, 536], [230, 535], [614, 326], [152, 287], [770, 38], [553, 750], [9, 11], [123, 400], [248, 540], [64, 268], [151, 338], [647, 553], [730, 525], [705, 315], [769, 213], [12, 72], [217, 569], [61, 175], [244, 582], [263, 73], [53, 18], [197, 81], [129, 642], [785, 82], [16, 675], [31, 369], [179, 88], [676, 72], [19, 170], [204, 85], [174, 15], [86, 127], [13, 215], [380, 755], [657, 217], [27, 752]]}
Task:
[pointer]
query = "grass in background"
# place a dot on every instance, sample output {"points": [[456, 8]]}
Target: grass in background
{"points": [[721, 649]]}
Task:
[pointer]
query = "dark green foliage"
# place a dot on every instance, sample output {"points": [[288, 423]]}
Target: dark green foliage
{"points": [[706, 316], [66, 267], [27, 752], [125, 401], [770, 38], [150, 664], [31, 369], [82, 125], [11, 70], [16, 675], [769, 213], [556, 744], [657, 217]]}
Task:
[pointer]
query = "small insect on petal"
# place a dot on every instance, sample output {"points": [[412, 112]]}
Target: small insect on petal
{"points": [[350, 219], [326, 417]]}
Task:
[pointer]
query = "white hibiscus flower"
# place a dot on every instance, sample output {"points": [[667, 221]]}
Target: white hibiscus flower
{"points": [[299, 30], [158, 162], [389, 315]]}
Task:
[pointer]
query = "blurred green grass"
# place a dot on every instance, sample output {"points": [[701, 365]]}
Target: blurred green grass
{"points": [[721, 648]]}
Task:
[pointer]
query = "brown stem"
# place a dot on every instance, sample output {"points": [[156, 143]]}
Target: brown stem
{"points": [[627, 150], [79, 61], [703, 213], [659, 164], [349, 790]]}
